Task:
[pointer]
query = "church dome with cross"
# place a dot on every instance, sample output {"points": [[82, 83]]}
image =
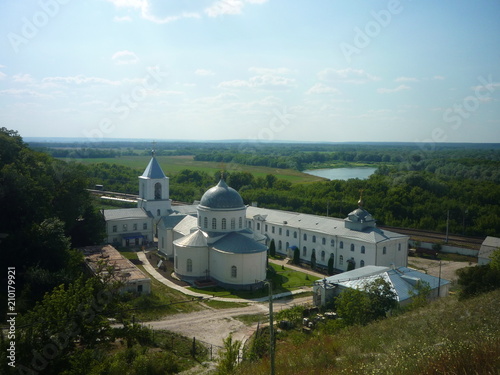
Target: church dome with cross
{"points": [[223, 197]]}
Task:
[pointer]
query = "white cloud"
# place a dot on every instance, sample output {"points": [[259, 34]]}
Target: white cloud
{"points": [[264, 82], [396, 89], [321, 88], [145, 8], [2, 75], [348, 75], [222, 7], [438, 78], [122, 19], [204, 72], [406, 79], [79, 80], [23, 93], [23, 78], [125, 57]]}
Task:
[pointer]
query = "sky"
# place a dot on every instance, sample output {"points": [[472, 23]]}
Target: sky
{"points": [[289, 70]]}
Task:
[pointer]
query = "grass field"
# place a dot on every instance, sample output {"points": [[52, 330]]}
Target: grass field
{"points": [[172, 165]]}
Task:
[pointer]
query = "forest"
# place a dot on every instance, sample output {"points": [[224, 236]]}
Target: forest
{"points": [[411, 188]]}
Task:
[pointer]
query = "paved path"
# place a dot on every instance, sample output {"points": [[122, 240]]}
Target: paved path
{"points": [[154, 273]]}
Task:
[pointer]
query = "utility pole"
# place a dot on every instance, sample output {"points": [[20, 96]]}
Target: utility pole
{"points": [[439, 282], [447, 224], [271, 326]]}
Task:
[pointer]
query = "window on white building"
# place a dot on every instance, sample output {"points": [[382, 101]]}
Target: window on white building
{"points": [[233, 223], [240, 223], [115, 228], [305, 236], [384, 250], [280, 245], [323, 241], [124, 227], [399, 247], [294, 234], [234, 272], [189, 265], [341, 260], [144, 226], [314, 239], [223, 224], [304, 251], [362, 249], [258, 226], [288, 233], [279, 231], [341, 244], [272, 229], [214, 223], [332, 243], [158, 212], [135, 226], [352, 247], [362, 263], [323, 255]]}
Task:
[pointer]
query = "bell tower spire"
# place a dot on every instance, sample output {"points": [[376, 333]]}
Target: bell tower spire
{"points": [[154, 188]]}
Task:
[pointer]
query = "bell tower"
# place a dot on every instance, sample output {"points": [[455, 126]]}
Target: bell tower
{"points": [[154, 189]]}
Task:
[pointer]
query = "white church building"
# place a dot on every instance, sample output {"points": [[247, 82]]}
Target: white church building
{"points": [[223, 240]]}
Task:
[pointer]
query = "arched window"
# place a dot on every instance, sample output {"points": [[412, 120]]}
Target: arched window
{"points": [[158, 212], [258, 226], [305, 236], [288, 233], [240, 223], [332, 243], [314, 239], [362, 249], [323, 241], [362, 263], [341, 260], [189, 265], [304, 251], [287, 245], [384, 250], [234, 272], [223, 223], [233, 223], [205, 222], [341, 244], [294, 234], [323, 255], [280, 245], [352, 247], [157, 190], [214, 223], [399, 247]]}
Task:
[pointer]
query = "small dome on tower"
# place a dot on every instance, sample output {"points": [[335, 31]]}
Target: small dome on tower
{"points": [[222, 196]]}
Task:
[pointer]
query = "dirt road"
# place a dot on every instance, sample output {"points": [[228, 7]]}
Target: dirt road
{"points": [[431, 266], [212, 326]]}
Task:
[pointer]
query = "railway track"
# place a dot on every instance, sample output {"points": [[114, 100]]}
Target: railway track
{"points": [[437, 236]]}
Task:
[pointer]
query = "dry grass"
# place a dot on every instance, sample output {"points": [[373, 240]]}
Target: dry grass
{"points": [[446, 337]]}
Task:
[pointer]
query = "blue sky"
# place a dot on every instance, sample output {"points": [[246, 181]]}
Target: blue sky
{"points": [[325, 70]]}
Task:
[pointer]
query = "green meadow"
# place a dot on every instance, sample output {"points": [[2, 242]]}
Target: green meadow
{"points": [[172, 165]]}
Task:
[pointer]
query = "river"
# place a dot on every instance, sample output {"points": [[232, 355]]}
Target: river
{"points": [[343, 173]]}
